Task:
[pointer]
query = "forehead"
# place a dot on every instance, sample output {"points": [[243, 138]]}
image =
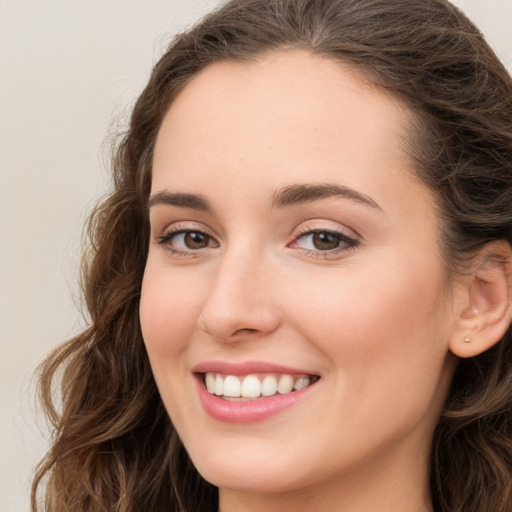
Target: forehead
{"points": [[289, 116], [292, 86]]}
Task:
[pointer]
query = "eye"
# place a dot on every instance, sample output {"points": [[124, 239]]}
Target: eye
{"points": [[192, 240], [323, 241], [186, 241]]}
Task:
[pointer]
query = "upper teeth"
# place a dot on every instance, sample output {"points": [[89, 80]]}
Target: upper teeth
{"points": [[253, 386]]}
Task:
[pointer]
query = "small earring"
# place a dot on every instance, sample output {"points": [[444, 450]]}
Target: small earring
{"points": [[467, 340]]}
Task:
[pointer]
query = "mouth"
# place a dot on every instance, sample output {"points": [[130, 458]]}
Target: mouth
{"points": [[251, 391], [256, 386]]}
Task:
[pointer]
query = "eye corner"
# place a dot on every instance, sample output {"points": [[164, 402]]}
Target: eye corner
{"points": [[186, 240], [323, 242]]}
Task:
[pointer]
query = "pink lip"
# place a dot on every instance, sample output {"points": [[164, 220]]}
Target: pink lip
{"points": [[246, 368], [251, 411]]}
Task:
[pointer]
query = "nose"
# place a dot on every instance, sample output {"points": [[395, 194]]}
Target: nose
{"points": [[239, 304]]}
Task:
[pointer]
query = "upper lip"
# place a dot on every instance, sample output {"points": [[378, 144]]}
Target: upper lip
{"points": [[247, 367]]}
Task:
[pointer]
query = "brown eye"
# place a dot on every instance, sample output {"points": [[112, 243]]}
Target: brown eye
{"points": [[184, 241], [325, 241], [196, 240]]}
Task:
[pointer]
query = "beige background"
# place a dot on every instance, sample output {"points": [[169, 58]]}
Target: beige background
{"points": [[69, 69]]}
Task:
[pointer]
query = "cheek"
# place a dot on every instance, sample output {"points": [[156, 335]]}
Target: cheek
{"points": [[369, 321], [168, 317], [385, 343], [168, 314]]}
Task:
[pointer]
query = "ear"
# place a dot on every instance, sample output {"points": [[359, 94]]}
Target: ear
{"points": [[483, 301]]}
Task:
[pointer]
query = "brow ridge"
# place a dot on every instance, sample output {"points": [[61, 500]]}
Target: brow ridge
{"points": [[181, 199], [305, 193]]}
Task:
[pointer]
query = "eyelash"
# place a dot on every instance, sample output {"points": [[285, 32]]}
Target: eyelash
{"points": [[345, 242], [348, 243], [166, 237]]}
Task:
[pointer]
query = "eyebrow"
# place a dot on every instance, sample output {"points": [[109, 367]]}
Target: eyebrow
{"points": [[193, 201], [287, 196], [299, 194]]}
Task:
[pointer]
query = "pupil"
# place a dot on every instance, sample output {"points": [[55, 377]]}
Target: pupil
{"points": [[196, 240], [325, 241]]}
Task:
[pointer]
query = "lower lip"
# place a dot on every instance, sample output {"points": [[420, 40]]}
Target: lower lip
{"points": [[252, 411]]}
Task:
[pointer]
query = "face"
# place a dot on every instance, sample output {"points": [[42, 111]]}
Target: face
{"points": [[293, 247]]}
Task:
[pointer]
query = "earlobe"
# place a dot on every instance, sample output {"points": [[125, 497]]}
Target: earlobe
{"points": [[486, 302]]}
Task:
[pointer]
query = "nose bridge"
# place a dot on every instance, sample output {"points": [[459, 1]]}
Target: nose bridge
{"points": [[239, 298]]}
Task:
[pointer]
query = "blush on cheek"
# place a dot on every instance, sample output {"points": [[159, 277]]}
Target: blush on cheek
{"points": [[161, 332], [168, 315]]}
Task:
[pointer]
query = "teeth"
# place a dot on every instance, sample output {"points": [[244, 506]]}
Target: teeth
{"points": [[303, 382], [210, 383], [269, 386], [252, 386], [285, 384], [231, 386], [219, 386]]}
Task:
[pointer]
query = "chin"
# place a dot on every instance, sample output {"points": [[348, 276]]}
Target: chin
{"points": [[265, 475]]}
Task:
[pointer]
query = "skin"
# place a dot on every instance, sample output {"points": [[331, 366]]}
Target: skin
{"points": [[373, 320]]}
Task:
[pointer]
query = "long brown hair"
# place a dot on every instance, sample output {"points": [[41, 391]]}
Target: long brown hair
{"points": [[114, 447]]}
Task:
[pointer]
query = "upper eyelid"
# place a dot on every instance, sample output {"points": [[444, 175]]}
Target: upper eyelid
{"points": [[184, 226], [316, 225], [310, 229], [341, 234], [347, 236], [167, 235], [304, 228]]}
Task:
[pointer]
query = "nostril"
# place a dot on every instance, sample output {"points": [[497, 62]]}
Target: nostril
{"points": [[244, 331]]}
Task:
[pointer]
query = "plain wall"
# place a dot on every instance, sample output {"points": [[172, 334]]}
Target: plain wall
{"points": [[69, 68]]}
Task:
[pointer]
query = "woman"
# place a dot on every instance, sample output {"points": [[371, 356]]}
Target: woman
{"points": [[300, 286]]}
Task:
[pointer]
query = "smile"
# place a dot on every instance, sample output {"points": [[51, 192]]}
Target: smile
{"points": [[250, 392], [254, 386]]}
